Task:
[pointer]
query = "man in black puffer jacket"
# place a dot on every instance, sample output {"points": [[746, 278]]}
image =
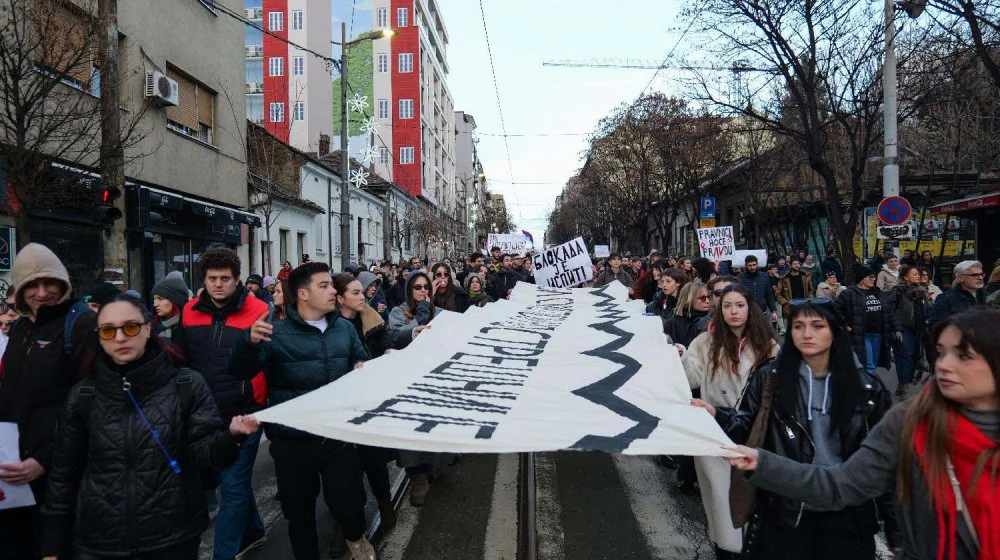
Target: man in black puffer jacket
{"points": [[504, 280], [868, 319], [312, 347], [967, 293]]}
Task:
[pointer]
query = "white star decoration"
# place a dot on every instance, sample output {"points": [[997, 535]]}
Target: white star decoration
{"points": [[370, 126], [371, 154], [359, 103], [359, 177]]}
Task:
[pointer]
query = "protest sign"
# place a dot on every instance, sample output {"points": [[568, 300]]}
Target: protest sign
{"points": [[12, 495], [563, 266], [509, 243], [740, 256], [602, 251], [547, 369], [717, 243]]}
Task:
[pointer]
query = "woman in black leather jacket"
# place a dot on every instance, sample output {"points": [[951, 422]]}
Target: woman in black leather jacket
{"points": [[823, 407], [124, 489]]}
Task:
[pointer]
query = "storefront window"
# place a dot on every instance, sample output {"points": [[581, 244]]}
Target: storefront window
{"points": [[169, 254], [78, 246]]}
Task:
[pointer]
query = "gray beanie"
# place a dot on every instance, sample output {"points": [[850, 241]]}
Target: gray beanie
{"points": [[367, 279], [172, 288]]}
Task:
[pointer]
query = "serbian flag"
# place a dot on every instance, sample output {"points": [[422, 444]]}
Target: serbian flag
{"points": [[528, 235]]}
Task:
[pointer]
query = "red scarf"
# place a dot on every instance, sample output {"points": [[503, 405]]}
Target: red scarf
{"points": [[983, 501]]}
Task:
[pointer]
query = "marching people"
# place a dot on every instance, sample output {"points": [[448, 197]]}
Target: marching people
{"points": [[966, 292], [475, 287], [907, 301], [120, 424], [811, 268], [928, 263], [822, 404], [993, 284], [832, 264], [209, 328], [502, 281], [372, 289], [7, 320], [169, 297], [704, 270], [448, 294], [933, 291], [286, 269], [614, 271], [792, 286], [719, 362], [280, 289], [888, 276], [831, 288], [693, 303], [255, 283], [670, 284], [868, 319], [40, 366], [937, 452], [760, 287], [646, 287], [313, 346]]}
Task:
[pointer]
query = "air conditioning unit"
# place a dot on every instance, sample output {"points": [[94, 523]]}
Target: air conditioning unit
{"points": [[161, 89]]}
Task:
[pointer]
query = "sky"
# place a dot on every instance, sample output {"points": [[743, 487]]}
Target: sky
{"points": [[540, 99]]}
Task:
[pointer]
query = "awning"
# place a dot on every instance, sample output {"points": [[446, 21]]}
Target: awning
{"points": [[968, 204]]}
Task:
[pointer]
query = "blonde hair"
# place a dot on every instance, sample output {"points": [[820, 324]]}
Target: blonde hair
{"points": [[688, 297]]}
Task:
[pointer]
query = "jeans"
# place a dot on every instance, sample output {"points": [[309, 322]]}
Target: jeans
{"points": [[907, 353], [238, 520], [301, 467], [873, 350]]}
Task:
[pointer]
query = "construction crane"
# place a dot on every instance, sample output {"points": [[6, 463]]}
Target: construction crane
{"points": [[636, 63]]}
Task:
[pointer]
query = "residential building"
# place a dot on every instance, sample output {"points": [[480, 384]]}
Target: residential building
{"points": [[470, 179], [289, 90], [184, 170]]}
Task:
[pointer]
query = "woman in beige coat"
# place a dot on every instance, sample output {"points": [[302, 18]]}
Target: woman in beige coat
{"points": [[719, 362]]}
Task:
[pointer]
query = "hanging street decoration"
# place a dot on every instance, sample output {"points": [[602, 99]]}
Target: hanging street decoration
{"points": [[359, 177]]}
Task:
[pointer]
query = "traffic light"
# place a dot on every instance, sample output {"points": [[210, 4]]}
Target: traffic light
{"points": [[106, 214], [110, 194]]}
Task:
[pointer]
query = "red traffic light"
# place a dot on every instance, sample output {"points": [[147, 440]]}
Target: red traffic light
{"points": [[110, 194]]}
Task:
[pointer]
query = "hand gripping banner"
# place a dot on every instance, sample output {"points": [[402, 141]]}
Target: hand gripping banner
{"points": [[548, 369]]}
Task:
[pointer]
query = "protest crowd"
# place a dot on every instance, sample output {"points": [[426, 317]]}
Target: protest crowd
{"points": [[136, 427]]}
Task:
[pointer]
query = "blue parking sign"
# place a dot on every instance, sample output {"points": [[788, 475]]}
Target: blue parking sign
{"points": [[707, 207]]}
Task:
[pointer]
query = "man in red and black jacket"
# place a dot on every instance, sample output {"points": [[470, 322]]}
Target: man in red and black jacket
{"points": [[209, 327]]}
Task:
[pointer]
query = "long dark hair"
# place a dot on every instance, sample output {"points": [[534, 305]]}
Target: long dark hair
{"points": [[411, 302], [444, 299], [93, 352], [846, 388], [724, 352]]}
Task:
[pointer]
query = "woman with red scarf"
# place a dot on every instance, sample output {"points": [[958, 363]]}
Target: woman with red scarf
{"points": [[939, 451]]}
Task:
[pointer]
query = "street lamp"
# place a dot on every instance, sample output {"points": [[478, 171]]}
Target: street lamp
{"points": [[890, 154], [345, 157]]}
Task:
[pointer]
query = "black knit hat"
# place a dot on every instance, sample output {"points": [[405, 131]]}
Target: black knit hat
{"points": [[104, 293], [861, 271]]}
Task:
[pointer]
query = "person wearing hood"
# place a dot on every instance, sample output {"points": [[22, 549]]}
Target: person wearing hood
{"points": [[413, 317], [868, 319], [169, 297], [40, 367], [312, 347], [824, 404], [475, 286], [888, 277], [139, 417], [371, 288]]}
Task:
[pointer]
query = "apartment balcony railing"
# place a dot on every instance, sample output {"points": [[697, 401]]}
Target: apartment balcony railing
{"points": [[254, 51], [254, 88], [255, 14]]}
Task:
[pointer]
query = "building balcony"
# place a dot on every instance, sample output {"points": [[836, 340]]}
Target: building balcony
{"points": [[254, 51], [255, 14], [255, 88]]}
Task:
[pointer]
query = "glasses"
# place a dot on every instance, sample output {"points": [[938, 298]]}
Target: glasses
{"points": [[108, 332], [422, 287], [8, 323], [716, 293], [440, 274], [975, 275], [704, 297], [813, 302]]}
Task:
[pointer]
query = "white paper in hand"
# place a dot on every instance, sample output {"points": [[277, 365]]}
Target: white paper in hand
{"points": [[12, 495]]}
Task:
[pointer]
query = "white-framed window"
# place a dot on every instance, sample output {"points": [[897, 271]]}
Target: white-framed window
{"points": [[299, 111], [383, 108], [276, 66], [382, 62], [383, 155], [406, 154], [406, 108], [382, 17], [405, 62], [298, 65], [297, 20], [402, 15], [275, 21], [277, 111]]}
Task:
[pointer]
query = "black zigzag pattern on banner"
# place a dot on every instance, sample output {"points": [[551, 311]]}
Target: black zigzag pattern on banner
{"points": [[602, 393]]}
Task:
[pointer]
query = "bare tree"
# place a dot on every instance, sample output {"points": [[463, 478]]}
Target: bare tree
{"points": [[974, 26]]}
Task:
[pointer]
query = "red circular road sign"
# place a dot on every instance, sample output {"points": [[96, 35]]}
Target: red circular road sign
{"points": [[894, 211]]}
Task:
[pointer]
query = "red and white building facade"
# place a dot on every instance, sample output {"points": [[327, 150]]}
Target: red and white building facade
{"points": [[289, 91]]}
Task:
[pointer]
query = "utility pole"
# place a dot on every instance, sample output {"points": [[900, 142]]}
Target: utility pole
{"points": [[112, 154], [387, 226], [345, 158], [890, 163], [329, 222]]}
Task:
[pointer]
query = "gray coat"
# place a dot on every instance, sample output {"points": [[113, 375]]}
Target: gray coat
{"points": [[868, 473]]}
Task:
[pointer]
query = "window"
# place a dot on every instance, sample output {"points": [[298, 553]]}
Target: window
{"points": [[276, 66], [298, 65], [283, 245], [301, 240], [299, 111], [296, 20], [194, 114], [406, 154], [383, 156], [277, 111], [406, 62], [382, 17], [401, 17], [383, 63], [406, 108], [383, 108], [275, 21]]}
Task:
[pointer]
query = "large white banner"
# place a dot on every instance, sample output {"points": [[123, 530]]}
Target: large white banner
{"points": [[563, 266], [546, 370], [509, 243]]}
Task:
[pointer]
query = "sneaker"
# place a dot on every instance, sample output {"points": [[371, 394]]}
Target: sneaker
{"points": [[419, 487], [361, 549], [251, 544]]}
